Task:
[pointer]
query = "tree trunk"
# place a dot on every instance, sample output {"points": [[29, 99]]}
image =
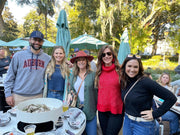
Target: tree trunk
{"points": [[1, 26], [46, 26], [2, 3], [154, 47], [102, 13]]}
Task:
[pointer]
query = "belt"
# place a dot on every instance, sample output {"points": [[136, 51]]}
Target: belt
{"points": [[138, 119]]}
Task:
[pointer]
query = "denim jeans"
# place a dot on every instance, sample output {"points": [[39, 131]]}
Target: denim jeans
{"points": [[157, 127], [54, 94], [91, 126], [173, 121], [132, 127], [110, 123]]}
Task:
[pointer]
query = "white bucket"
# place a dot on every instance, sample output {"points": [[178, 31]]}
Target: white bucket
{"points": [[54, 104]]}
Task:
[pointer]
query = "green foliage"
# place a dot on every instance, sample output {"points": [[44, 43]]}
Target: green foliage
{"points": [[140, 38], [46, 7], [79, 24], [33, 21], [10, 31], [158, 62], [155, 73], [156, 68], [174, 35]]}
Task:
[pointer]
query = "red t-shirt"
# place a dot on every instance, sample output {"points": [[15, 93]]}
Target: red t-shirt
{"points": [[109, 92]]}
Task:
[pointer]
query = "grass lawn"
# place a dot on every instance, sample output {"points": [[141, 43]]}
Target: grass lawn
{"points": [[156, 66]]}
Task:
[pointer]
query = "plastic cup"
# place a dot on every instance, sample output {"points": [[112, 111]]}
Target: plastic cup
{"points": [[65, 106], [30, 129]]}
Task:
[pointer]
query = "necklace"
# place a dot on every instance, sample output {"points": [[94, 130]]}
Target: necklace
{"points": [[82, 75]]}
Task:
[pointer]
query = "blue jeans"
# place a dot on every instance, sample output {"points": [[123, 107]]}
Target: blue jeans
{"points": [[173, 121], [91, 126], [54, 94], [132, 127], [157, 128], [110, 123]]}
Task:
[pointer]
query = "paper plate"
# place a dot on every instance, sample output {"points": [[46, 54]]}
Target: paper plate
{"points": [[4, 121], [13, 111], [76, 118]]}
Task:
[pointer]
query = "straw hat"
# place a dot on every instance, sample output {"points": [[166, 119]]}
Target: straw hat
{"points": [[81, 54]]}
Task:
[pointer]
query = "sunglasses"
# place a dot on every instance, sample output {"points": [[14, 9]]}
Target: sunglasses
{"points": [[108, 54], [134, 56]]}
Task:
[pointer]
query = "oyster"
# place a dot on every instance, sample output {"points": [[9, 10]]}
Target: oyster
{"points": [[32, 108]]}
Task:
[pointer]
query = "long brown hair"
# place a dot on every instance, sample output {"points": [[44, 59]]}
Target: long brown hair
{"points": [[124, 76], [100, 62], [63, 67], [76, 68]]}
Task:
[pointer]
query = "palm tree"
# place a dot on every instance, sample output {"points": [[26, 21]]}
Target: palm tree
{"points": [[46, 7]]}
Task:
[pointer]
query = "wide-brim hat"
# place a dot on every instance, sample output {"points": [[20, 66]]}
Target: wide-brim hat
{"points": [[81, 54]]}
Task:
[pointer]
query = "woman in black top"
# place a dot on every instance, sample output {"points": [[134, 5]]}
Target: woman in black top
{"points": [[139, 117], [4, 61]]}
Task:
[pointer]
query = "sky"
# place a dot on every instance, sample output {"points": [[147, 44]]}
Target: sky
{"points": [[18, 11]]}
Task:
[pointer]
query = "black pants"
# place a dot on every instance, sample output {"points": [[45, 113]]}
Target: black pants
{"points": [[110, 123], [3, 105]]}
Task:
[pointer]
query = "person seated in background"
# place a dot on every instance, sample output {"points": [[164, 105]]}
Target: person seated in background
{"points": [[177, 85], [4, 61], [165, 81], [170, 116], [177, 82], [4, 66]]}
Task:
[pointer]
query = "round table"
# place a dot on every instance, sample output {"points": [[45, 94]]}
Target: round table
{"points": [[12, 126]]}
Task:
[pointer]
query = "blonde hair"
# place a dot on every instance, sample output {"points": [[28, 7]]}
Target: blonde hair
{"points": [[160, 81], [100, 62], [76, 68], [63, 67], [5, 52]]}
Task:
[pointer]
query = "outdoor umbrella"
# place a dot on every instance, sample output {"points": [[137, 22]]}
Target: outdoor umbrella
{"points": [[124, 48], [15, 49], [2, 42], [87, 42], [25, 42], [63, 37]]}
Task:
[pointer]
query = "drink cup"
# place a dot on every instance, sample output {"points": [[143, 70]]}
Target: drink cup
{"points": [[30, 129], [65, 106]]}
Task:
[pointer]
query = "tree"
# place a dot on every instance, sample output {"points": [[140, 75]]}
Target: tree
{"points": [[45, 7], [80, 21], [10, 31], [1, 19], [34, 21]]}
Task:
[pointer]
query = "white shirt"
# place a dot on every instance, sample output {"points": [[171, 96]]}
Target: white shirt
{"points": [[81, 91]]}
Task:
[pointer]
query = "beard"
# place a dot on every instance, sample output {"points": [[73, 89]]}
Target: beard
{"points": [[35, 48]]}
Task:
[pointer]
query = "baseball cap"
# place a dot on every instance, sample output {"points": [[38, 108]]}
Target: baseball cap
{"points": [[37, 34], [76, 50]]}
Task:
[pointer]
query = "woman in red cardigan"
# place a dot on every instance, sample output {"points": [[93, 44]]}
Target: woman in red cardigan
{"points": [[110, 105]]}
